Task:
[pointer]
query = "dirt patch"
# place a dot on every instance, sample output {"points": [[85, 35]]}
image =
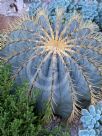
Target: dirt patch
{"points": [[5, 21]]}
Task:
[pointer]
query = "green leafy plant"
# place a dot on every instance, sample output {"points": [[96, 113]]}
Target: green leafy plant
{"points": [[18, 115], [57, 131]]}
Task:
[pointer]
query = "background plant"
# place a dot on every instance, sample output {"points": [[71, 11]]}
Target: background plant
{"points": [[92, 121], [16, 114], [90, 9]]}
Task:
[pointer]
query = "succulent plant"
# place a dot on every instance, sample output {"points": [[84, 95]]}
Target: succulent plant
{"points": [[99, 18], [62, 59], [50, 6], [92, 121], [34, 6], [90, 9]]}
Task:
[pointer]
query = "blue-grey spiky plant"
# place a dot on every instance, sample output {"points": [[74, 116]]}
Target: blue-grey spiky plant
{"points": [[62, 59], [92, 121], [90, 9], [34, 6], [51, 6]]}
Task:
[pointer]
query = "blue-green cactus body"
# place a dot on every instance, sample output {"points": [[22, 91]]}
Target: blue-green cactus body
{"points": [[63, 60]]}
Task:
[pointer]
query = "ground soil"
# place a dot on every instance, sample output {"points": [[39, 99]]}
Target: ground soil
{"points": [[5, 21]]}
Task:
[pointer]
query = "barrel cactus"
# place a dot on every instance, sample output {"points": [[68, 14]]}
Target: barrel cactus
{"points": [[63, 60]]}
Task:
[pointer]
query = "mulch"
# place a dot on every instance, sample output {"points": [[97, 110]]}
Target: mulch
{"points": [[5, 21]]}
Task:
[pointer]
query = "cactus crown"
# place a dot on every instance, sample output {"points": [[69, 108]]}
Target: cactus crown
{"points": [[64, 59]]}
